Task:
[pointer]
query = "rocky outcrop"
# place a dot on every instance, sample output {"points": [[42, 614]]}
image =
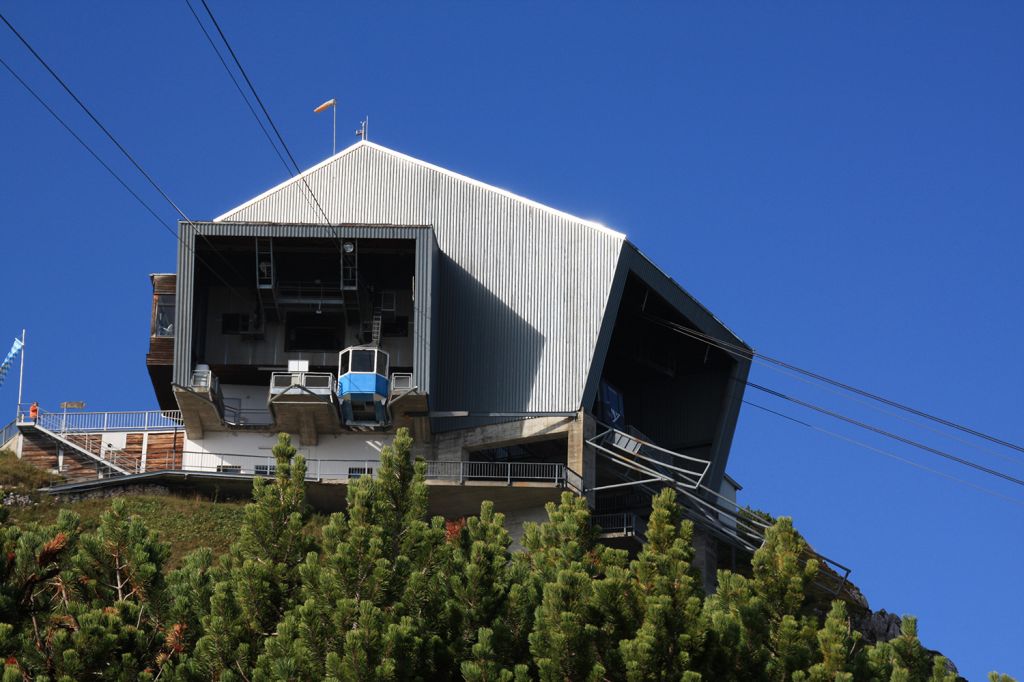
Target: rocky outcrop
{"points": [[877, 626]]}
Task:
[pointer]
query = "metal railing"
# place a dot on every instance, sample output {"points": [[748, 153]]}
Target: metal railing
{"points": [[204, 378], [624, 523], [9, 432], [236, 416], [83, 422], [509, 472], [634, 452], [281, 381], [347, 469], [401, 382]]}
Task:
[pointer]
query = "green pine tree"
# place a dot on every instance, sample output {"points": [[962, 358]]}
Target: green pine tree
{"points": [[375, 604], [258, 580], [586, 602], [671, 633]]}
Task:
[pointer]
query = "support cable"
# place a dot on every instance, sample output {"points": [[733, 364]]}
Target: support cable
{"points": [[266, 113], [238, 87], [749, 354], [114, 140], [753, 356], [110, 170], [887, 453], [887, 434]]}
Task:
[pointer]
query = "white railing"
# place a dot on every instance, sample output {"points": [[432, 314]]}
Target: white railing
{"points": [[315, 381], [236, 416], [401, 382], [624, 523], [509, 472], [94, 422], [204, 378], [9, 432], [349, 469]]}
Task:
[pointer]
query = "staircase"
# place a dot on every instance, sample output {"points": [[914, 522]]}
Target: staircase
{"points": [[85, 444]]}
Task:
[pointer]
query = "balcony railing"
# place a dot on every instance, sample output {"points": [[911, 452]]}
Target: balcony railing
{"points": [[509, 472], [626, 523], [321, 383], [94, 422], [204, 379], [348, 469], [9, 432]]}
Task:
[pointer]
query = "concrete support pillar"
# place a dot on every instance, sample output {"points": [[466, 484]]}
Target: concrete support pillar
{"points": [[580, 457], [705, 559]]}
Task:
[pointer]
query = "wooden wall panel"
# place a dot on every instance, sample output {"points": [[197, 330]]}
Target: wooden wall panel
{"points": [[164, 450], [42, 453]]}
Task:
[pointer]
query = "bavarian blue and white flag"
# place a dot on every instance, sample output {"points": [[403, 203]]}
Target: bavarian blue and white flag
{"points": [[9, 360]]}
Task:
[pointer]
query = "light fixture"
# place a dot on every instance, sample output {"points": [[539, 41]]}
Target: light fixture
{"points": [[348, 247]]}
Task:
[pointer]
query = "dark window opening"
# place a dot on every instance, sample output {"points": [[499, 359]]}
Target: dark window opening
{"points": [[163, 321], [362, 360], [396, 327], [313, 332]]}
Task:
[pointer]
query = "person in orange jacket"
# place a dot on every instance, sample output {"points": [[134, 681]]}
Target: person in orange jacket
{"points": [[33, 412]]}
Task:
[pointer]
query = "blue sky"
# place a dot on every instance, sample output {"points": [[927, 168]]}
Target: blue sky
{"points": [[841, 184]]}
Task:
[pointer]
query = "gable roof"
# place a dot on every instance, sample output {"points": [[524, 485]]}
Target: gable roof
{"points": [[233, 213]]}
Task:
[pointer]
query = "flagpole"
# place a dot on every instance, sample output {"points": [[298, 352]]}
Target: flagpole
{"points": [[21, 374]]}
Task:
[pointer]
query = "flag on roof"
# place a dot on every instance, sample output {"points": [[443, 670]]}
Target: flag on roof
{"points": [[9, 360]]}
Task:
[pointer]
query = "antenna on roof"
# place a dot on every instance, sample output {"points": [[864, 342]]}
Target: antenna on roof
{"points": [[331, 104], [364, 128]]}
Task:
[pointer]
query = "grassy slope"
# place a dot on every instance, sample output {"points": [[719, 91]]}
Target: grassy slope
{"points": [[185, 523]]}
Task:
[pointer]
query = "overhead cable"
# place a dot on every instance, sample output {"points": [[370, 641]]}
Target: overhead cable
{"points": [[111, 137], [266, 113], [748, 353], [887, 434], [887, 453], [110, 170]]}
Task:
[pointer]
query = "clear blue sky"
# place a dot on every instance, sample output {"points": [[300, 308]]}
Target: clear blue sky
{"points": [[840, 183]]}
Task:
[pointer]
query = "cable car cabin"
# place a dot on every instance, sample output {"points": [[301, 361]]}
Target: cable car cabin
{"points": [[363, 386]]}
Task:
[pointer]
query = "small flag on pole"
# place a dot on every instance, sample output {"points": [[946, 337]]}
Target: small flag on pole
{"points": [[9, 360]]}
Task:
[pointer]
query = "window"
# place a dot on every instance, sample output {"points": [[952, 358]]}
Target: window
{"points": [[363, 361], [343, 363], [266, 469], [163, 319], [382, 363], [359, 472], [229, 469]]}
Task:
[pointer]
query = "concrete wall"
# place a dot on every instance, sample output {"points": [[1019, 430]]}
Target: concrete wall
{"points": [[514, 521]]}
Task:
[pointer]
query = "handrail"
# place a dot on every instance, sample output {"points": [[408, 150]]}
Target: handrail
{"points": [[458, 472], [311, 380], [204, 378], [8, 432], [82, 422]]}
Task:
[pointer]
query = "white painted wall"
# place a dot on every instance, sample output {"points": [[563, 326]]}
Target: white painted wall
{"points": [[332, 457], [728, 491], [113, 442]]}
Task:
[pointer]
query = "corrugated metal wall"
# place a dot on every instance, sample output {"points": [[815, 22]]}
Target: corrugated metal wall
{"points": [[523, 288]]}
